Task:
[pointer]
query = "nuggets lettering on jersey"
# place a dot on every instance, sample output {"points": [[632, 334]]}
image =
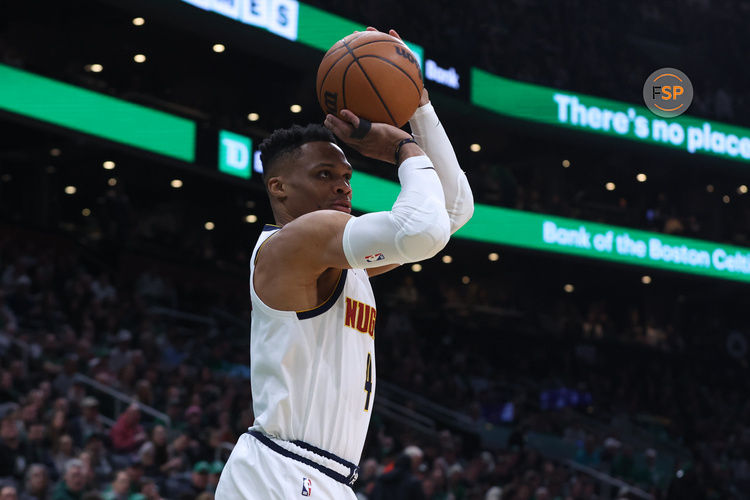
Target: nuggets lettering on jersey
{"points": [[360, 316]]}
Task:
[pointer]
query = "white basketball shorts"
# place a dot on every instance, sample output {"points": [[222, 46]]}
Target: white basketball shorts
{"points": [[255, 471]]}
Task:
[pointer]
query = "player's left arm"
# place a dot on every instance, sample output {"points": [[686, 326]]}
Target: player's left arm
{"points": [[432, 138]]}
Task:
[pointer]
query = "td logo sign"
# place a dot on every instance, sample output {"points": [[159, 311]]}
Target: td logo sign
{"points": [[668, 92], [235, 154]]}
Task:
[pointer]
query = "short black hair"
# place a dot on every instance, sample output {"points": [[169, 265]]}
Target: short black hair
{"points": [[284, 141]]}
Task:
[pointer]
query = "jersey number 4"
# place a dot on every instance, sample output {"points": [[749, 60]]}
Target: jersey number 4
{"points": [[368, 381]]}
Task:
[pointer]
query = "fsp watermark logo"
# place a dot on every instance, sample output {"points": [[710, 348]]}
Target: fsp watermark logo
{"points": [[668, 92]]}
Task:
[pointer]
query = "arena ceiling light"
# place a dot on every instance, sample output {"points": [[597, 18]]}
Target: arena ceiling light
{"points": [[209, 226], [176, 183], [139, 58], [70, 190], [86, 212], [566, 163], [447, 259], [108, 165], [112, 181], [295, 108], [55, 152], [219, 48], [641, 177], [465, 280], [725, 198], [138, 21], [710, 188], [494, 257], [251, 219], [742, 189], [610, 186], [416, 267], [475, 148], [568, 288], [646, 279], [253, 117]]}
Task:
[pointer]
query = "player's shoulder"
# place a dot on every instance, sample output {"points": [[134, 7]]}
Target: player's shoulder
{"points": [[314, 226], [299, 240]]}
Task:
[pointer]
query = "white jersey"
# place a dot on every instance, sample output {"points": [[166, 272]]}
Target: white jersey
{"points": [[313, 372]]}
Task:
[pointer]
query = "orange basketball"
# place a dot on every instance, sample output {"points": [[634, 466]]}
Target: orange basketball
{"points": [[372, 74]]}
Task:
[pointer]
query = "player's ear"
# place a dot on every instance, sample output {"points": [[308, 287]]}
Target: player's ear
{"points": [[276, 188]]}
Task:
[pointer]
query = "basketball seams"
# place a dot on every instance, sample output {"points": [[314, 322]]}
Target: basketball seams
{"points": [[367, 77], [386, 60], [349, 52], [343, 81]]}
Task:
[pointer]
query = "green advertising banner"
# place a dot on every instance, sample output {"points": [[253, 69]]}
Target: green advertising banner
{"points": [[96, 114], [321, 29], [576, 237], [603, 116], [235, 154]]}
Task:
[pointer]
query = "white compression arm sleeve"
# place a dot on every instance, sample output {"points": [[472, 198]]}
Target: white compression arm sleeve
{"points": [[416, 228], [431, 137]]}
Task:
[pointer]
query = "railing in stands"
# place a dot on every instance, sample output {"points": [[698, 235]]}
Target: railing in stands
{"points": [[121, 398], [610, 481]]}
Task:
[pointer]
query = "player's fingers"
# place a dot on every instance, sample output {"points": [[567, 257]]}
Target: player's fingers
{"points": [[370, 28], [338, 126], [350, 117], [393, 32]]}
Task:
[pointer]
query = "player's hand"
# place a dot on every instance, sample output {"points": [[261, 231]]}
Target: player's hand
{"points": [[379, 143], [424, 97]]}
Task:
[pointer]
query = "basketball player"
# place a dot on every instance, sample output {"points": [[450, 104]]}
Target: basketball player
{"points": [[313, 311]]}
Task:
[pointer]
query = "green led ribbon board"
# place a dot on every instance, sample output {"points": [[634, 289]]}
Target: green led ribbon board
{"points": [[576, 237], [321, 29], [96, 114], [603, 116]]}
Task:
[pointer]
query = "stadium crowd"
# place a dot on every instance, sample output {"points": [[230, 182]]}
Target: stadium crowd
{"points": [[62, 313]]}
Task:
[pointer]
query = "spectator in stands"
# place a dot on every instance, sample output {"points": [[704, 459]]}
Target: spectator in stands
{"points": [[135, 473], [100, 465], [120, 488], [399, 483], [12, 461], [63, 452], [150, 490], [180, 488], [589, 454], [8, 493], [73, 482], [89, 422], [213, 477], [367, 478], [127, 433], [36, 447], [37, 485], [160, 448]]}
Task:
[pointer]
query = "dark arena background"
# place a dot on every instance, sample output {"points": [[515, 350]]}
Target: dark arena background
{"points": [[584, 336]]}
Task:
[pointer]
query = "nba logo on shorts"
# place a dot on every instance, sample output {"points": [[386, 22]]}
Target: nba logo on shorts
{"points": [[306, 487]]}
